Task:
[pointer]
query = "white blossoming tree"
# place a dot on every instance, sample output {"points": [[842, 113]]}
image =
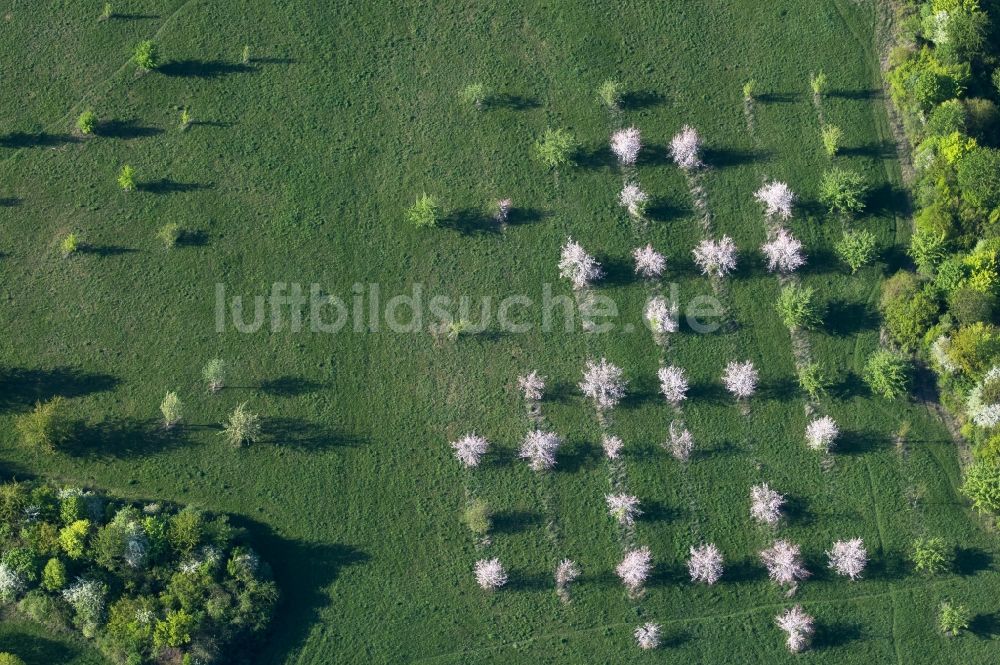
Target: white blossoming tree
{"points": [[633, 199], [603, 383], [661, 315], [821, 433], [648, 636], [12, 583], [470, 449], [577, 266], [716, 258], [685, 148], [539, 448], [490, 574], [567, 572], [783, 561], [649, 263], [680, 441], [784, 253], [740, 379], [705, 564], [777, 198], [673, 384], [635, 568], [765, 504], [532, 386], [623, 507], [626, 144], [504, 207], [848, 557], [612, 446], [799, 627]]}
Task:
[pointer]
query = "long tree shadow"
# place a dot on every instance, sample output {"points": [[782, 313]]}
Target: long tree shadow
{"points": [[513, 102], [745, 571], [289, 386], [641, 99], [853, 442], [125, 129], [889, 199], [106, 250], [10, 202], [36, 140], [617, 271], [192, 238], [986, 626], [779, 97], [133, 17], [303, 571], [830, 635], [576, 455], [821, 260], [123, 438], [523, 580], [844, 318], [884, 150], [514, 521], [849, 386], [888, 566], [35, 649], [710, 392], [203, 68], [169, 186], [726, 157], [21, 387], [524, 216], [972, 560], [654, 154], [864, 94], [596, 158], [663, 209], [296, 433], [471, 221]]}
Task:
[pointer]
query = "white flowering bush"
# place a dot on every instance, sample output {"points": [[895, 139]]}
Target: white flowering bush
{"points": [[740, 379], [12, 583], [777, 198], [532, 386], [626, 144], [633, 199], [539, 448], [623, 507], [612, 446], [821, 433], [661, 315], [635, 568], [705, 564], [784, 253], [716, 258], [673, 383], [783, 561], [985, 411], [490, 574], [603, 383], [680, 442], [648, 636], [798, 626], [765, 504], [577, 266], [469, 450], [848, 557], [648, 262], [685, 148]]}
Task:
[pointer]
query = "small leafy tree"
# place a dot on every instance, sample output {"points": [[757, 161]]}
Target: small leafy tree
{"points": [[749, 88], [932, 556], [146, 56], [458, 328], [87, 122], [170, 233], [611, 93], [843, 191], [797, 308], [73, 538], [477, 517], [69, 244], [556, 148], [856, 248], [832, 136], [953, 619], [126, 178], [818, 84], [982, 485], [46, 426], [243, 427], [54, 575], [245, 55], [7, 658], [476, 94], [107, 12], [214, 374], [887, 374], [172, 410], [186, 119], [425, 212], [813, 380]]}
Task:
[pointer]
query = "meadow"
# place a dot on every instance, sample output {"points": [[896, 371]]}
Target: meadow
{"points": [[298, 167]]}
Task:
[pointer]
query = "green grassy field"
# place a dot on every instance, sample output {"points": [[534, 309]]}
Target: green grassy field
{"points": [[298, 169]]}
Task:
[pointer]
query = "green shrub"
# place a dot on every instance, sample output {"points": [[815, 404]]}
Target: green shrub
{"points": [[46, 426], [887, 374], [813, 380], [947, 118], [979, 178], [477, 517], [982, 117], [971, 306], [856, 248], [974, 348], [832, 137], [908, 308], [953, 619], [475, 94], [982, 486], [7, 658], [54, 575], [169, 234], [186, 530], [797, 307], [843, 191], [556, 148], [242, 427], [932, 556], [126, 178], [921, 81], [146, 55], [819, 84], [87, 122], [214, 374], [424, 213], [928, 249], [69, 245], [749, 88], [73, 538], [611, 93]]}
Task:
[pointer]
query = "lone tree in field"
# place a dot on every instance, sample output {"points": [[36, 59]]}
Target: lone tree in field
{"points": [[567, 572], [242, 428], [623, 507], [799, 627], [843, 191], [783, 561], [626, 144], [953, 619], [661, 315], [685, 148], [716, 258], [87, 122], [887, 374], [611, 93], [126, 178], [818, 84], [504, 206], [680, 441], [797, 308], [635, 568], [490, 574], [146, 56], [633, 199], [214, 374], [649, 263], [539, 448], [832, 136], [705, 564], [612, 446], [170, 234], [784, 253], [856, 248], [532, 386], [425, 212], [69, 245], [821, 434], [648, 636], [932, 556], [45, 427], [765, 504], [813, 380], [172, 410], [556, 148], [740, 379], [577, 266], [469, 450], [603, 383], [475, 94], [673, 384], [777, 198], [848, 558]]}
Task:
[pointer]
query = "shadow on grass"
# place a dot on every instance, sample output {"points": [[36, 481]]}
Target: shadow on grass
{"points": [[38, 140], [985, 626], [779, 97], [575, 456], [123, 438], [34, 649], [525, 216], [889, 199], [10, 202], [843, 318], [830, 635], [746, 570], [849, 387], [853, 442], [599, 157], [192, 238], [712, 393], [884, 150], [133, 17], [194, 68], [514, 521], [296, 433], [21, 387], [513, 102], [867, 93], [105, 251], [617, 271], [888, 566], [721, 158], [972, 560], [169, 186], [655, 154], [125, 129], [471, 221], [662, 209], [521, 580], [641, 99], [289, 386]]}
